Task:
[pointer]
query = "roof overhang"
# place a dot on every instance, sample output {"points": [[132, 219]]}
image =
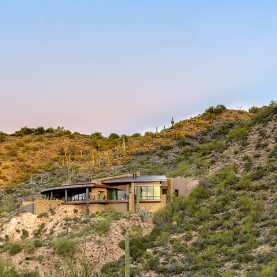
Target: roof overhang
{"points": [[73, 186]]}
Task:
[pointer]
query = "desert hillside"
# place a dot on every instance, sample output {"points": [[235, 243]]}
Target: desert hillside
{"points": [[226, 227], [29, 153]]}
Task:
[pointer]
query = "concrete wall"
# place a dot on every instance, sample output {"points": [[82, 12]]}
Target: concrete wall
{"points": [[184, 185], [41, 206], [28, 207], [25, 203]]}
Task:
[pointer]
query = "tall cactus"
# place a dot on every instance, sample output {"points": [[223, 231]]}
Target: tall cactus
{"points": [[127, 255], [123, 145], [172, 122]]}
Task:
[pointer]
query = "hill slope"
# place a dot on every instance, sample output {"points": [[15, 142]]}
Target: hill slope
{"points": [[227, 226], [24, 154]]}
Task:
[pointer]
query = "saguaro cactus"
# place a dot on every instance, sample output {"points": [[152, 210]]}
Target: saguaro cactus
{"points": [[123, 145], [127, 255], [172, 122]]}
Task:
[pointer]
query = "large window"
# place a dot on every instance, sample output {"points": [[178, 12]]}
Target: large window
{"points": [[149, 193], [117, 194]]}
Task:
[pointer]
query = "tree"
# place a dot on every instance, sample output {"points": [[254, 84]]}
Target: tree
{"points": [[113, 136]]}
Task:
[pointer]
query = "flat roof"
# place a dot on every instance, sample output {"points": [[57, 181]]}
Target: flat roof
{"points": [[110, 180], [138, 179], [72, 186]]}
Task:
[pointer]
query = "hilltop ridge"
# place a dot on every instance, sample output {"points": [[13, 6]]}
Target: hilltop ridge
{"points": [[29, 152]]}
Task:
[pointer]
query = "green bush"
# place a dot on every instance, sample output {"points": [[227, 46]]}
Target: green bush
{"points": [[65, 247], [162, 238], [217, 146], [212, 111], [15, 248], [38, 243], [3, 137], [239, 133], [29, 246], [102, 226], [24, 234], [44, 214]]}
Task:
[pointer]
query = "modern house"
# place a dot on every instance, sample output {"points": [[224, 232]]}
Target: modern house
{"points": [[121, 193]]}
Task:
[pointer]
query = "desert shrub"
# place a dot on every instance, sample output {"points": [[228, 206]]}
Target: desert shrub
{"points": [[206, 149], [212, 111], [39, 231], [246, 203], [270, 269], [179, 246], [3, 137], [38, 243], [136, 135], [165, 147], [239, 133], [247, 162], [226, 177], [258, 173], [65, 247], [39, 131], [102, 226], [23, 131], [8, 269], [24, 234], [151, 262], [112, 215], [186, 151], [29, 246], [245, 183], [15, 248], [8, 201], [183, 169], [265, 114], [253, 110], [162, 238], [52, 211], [112, 269], [44, 214], [113, 136], [143, 214], [164, 216]]}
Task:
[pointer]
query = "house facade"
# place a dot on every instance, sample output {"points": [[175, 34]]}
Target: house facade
{"points": [[121, 193]]}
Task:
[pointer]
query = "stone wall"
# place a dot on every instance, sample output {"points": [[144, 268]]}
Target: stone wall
{"points": [[42, 206], [119, 207], [94, 194], [132, 198], [154, 206]]}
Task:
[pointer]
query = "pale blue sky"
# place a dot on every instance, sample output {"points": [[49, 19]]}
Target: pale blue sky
{"points": [[129, 66]]}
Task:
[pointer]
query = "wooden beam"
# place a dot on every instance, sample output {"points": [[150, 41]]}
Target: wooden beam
{"points": [[87, 200], [65, 195]]}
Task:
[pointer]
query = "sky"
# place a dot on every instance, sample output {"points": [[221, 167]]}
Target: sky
{"points": [[129, 66]]}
